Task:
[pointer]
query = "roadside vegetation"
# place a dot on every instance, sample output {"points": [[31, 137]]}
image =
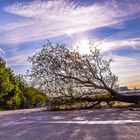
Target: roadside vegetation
{"points": [[15, 94], [63, 79], [74, 80]]}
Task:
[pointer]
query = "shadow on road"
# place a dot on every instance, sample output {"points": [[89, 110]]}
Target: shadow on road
{"points": [[34, 126]]}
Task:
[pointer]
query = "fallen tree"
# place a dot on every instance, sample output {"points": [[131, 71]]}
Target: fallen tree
{"points": [[61, 71]]}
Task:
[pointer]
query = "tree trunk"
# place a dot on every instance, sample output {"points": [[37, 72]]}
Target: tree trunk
{"points": [[130, 98], [127, 97]]}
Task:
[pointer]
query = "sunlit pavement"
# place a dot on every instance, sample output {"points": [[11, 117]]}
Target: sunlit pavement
{"points": [[34, 124]]}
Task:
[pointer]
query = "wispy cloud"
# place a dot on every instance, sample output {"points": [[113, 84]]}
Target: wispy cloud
{"points": [[127, 68], [2, 51], [20, 57], [109, 46], [46, 19], [53, 18]]}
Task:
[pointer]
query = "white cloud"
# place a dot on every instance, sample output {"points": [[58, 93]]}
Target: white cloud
{"points": [[46, 19], [19, 59], [12, 26], [112, 45], [127, 68], [2, 51]]}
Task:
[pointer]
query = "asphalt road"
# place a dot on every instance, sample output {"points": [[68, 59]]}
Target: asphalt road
{"points": [[113, 124]]}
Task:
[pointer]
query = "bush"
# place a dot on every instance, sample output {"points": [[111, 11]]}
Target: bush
{"points": [[33, 97]]}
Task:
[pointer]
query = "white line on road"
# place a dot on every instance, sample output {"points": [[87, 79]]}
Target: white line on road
{"points": [[95, 122]]}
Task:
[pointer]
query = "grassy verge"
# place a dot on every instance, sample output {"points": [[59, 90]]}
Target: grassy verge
{"points": [[121, 104], [1, 110]]}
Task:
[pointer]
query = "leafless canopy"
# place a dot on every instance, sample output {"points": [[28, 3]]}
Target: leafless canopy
{"points": [[59, 70]]}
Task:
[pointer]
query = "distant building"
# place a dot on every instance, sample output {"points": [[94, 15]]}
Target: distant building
{"points": [[122, 89], [136, 90]]}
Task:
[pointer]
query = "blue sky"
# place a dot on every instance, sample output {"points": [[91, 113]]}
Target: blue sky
{"points": [[26, 25]]}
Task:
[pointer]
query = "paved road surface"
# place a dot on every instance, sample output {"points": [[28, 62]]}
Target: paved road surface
{"points": [[117, 124]]}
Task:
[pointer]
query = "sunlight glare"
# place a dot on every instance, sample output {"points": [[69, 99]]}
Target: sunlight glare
{"points": [[83, 47], [69, 32]]}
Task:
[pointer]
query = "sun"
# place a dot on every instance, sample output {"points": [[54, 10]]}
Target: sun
{"points": [[83, 47]]}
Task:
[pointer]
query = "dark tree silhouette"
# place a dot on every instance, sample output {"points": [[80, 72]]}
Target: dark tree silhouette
{"points": [[61, 71]]}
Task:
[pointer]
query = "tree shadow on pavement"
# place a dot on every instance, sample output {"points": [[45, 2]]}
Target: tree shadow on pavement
{"points": [[34, 126]]}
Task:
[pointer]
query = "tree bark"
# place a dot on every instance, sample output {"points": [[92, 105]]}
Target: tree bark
{"points": [[127, 97], [130, 98]]}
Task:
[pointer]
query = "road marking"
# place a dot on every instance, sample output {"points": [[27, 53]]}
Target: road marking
{"points": [[95, 122]]}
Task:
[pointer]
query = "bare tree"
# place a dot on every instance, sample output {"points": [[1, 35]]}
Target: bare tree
{"points": [[61, 71]]}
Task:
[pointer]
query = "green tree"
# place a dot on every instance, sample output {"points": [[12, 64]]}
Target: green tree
{"points": [[9, 88], [33, 97]]}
